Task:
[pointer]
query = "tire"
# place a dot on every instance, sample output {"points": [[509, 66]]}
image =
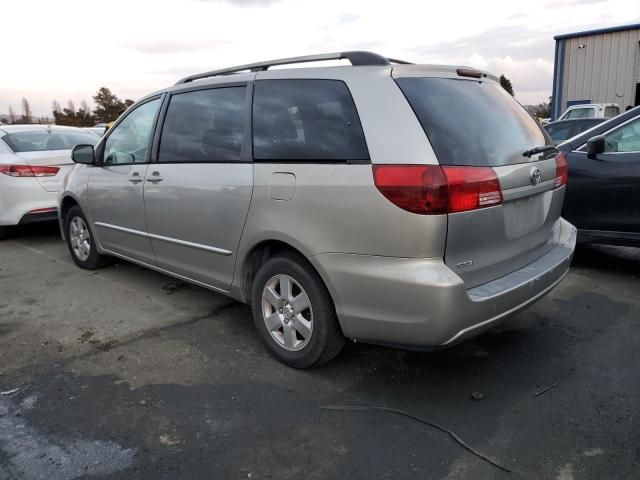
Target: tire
{"points": [[316, 337], [82, 246]]}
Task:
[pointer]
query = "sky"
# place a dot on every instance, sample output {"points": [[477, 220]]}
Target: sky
{"points": [[67, 49]]}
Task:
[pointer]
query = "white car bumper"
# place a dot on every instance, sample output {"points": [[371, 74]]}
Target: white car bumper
{"points": [[24, 200]]}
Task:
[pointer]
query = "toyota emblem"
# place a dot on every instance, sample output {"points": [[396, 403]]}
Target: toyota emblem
{"points": [[535, 175]]}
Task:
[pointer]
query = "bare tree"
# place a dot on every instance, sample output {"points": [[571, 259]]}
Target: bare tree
{"points": [[12, 115], [71, 106], [84, 105], [27, 115], [56, 107]]}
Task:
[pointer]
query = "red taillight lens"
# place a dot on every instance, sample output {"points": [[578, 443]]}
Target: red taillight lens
{"points": [[415, 188], [28, 171], [471, 188], [433, 190], [562, 170]]}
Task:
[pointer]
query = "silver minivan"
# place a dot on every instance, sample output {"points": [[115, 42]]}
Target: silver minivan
{"points": [[383, 202]]}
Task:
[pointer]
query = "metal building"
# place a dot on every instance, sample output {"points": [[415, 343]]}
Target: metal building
{"points": [[597, 66]]}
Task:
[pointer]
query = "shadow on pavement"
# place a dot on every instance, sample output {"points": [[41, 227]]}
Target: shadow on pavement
{"points": [[608, 259]]}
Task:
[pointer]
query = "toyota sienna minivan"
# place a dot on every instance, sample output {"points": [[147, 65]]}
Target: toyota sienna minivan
{"points": [[385, 202]]}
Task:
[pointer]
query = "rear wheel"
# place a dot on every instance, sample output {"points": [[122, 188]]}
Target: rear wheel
{"points": [[80, 241], [294, 313]]}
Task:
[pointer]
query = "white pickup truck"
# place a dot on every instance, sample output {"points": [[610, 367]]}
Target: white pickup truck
{"points": [[591, 110]]}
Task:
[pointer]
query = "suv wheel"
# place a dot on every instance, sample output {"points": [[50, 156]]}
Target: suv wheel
{"points": [[80, 242], [294, 313]]}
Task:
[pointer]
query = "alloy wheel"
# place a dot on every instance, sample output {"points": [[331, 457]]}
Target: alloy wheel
{"points": [[80, 238], [287, 313]]}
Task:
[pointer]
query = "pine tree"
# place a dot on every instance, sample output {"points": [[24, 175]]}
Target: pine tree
{"points": [[506, 84], [108, 105]]}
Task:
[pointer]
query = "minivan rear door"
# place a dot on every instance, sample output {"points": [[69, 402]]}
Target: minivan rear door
{"points": [[472, 122]]}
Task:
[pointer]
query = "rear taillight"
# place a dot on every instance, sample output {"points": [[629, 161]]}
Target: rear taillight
{"points": [[28, 171], [432, 190], [471, 188], [562, 170], [415, 188]]}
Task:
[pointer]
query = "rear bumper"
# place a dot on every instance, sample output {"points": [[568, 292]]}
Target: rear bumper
{"points": [[419, 303], [41, 215], [20, 196]]}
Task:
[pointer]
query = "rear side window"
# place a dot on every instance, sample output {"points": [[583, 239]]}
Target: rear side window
{"points": [[204, 126], [559, 132], [43, 140], [472, 123], [306, 120], [611, 111], [586, 125]]}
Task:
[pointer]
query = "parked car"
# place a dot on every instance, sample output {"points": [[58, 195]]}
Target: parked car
{"points": [[405, 205], [603, 191], [564, 129], [98, 131], [34, 160], [591, 110]]}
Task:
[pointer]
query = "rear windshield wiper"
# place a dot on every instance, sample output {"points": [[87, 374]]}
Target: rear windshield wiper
{"points": [[536, 150]]}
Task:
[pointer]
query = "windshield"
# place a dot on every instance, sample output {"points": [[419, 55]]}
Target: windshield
{"points": [[43, 140], [580, 113], [472, 122]]}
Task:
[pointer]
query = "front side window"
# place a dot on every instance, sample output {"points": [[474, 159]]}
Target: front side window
{"points": [[204, 126], [306, 120], [130, 140], [581, 113], [45, 140], [625, 139]]}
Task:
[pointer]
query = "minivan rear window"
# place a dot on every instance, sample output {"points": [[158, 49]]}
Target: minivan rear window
{"points": [[472, 123], [306, 120]]}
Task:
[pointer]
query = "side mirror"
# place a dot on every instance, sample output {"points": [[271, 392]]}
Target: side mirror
{"points": [[595, 145], [83, 154]]}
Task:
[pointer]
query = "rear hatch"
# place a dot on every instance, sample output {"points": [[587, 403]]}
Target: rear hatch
{"points": [[48, 151], [478, 130]]}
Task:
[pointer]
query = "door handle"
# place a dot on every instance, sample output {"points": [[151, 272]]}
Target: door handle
{"points": [[155, 177], [135, 178]]}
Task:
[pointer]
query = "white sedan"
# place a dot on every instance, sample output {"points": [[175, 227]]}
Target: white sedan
{"points": [[34, 160]]}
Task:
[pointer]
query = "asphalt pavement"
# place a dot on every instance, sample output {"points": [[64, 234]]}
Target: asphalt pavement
{"points": [[127, 373]]}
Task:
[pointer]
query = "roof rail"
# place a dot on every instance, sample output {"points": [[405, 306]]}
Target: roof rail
{"points": [[357, 58]]}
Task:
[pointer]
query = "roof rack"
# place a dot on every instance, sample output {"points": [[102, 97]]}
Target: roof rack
{"points": [[357, 58]]}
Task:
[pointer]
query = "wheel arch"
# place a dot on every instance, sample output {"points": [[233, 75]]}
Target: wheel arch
{"points": [[66, 203], [265, 249], [69, 201]]}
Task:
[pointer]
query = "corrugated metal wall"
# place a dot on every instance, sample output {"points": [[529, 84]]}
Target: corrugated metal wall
{"points": [[605, 68]]}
